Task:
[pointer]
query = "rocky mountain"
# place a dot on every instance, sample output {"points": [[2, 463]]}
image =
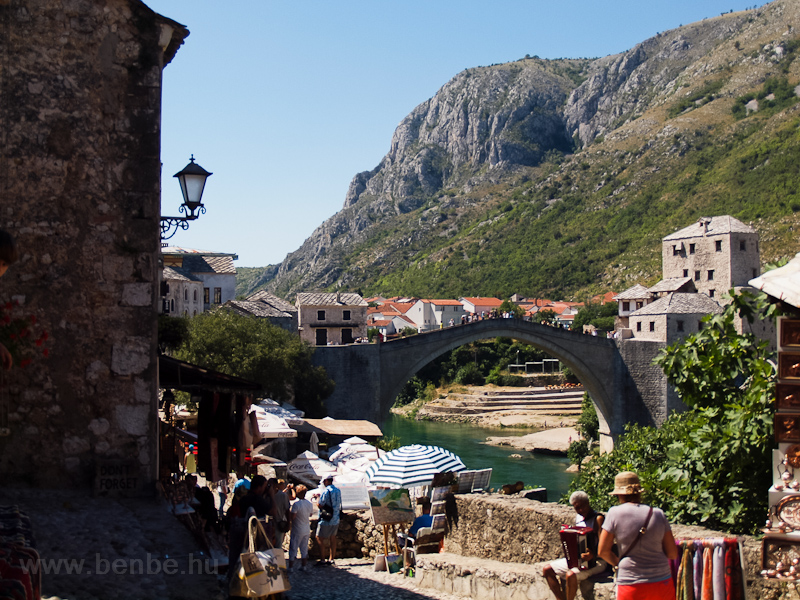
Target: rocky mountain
{"points": [[561, 176]]}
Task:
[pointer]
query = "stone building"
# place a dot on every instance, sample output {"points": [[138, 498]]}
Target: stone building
{"points": [[334, 318], [264, 305], [717, 253], [80, 112], [215, 271], [672, 317], [182, 293], [435, 314]]}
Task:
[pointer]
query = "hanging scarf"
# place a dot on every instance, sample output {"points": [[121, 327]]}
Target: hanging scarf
{"points": [[685, 583], [698, 569], [719, 572], [708, 573]]}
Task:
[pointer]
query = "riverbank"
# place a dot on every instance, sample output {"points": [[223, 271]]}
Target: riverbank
{"points": [[550, 441], [490, 406]]}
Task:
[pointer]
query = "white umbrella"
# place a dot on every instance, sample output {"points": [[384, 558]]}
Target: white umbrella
{"points": [[273, 426], [263, 407], [310, 468], [412, 466]]}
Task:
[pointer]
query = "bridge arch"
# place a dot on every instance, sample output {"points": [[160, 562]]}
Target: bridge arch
{"points": [[370, 376]]}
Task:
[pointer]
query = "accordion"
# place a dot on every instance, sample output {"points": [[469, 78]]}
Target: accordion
{"points": [[575, 541]]}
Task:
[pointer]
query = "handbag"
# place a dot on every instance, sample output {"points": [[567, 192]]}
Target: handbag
{"points": [[259, 572], [325, 512]]}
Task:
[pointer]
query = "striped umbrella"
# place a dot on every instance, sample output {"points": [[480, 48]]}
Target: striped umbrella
{"points": [[413, 465]]}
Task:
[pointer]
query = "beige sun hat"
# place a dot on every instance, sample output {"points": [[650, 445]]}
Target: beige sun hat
{"points": [[626, 483]]}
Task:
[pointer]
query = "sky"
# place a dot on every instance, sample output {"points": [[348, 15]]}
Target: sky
{"points": [[286, 101]]}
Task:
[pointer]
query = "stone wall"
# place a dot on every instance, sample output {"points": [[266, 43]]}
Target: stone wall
{"points": [[80, 110]]}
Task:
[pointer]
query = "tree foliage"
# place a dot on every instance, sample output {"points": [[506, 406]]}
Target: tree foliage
{"points": [[710, 465], [600, 315], [255, 349]]}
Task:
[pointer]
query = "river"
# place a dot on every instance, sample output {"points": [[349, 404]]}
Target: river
{"points": [[465, 441]]}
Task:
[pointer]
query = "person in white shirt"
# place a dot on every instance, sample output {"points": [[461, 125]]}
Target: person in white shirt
{"points": [[300, 527]]}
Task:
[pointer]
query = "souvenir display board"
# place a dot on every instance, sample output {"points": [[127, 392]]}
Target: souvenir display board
{"points": [[780, 555]]}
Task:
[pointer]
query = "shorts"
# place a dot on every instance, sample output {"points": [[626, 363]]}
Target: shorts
{"points": [[660, 590], [326, 530], [299, 541], [560, 567]]}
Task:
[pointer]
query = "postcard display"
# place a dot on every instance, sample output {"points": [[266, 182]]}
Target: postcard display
{"points": [[780, 554]]}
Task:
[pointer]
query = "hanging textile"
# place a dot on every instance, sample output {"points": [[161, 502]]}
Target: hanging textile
{"points": [[709, 569]]}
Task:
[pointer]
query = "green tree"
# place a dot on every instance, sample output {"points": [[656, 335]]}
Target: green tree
{"points": [[257, 350], [514, 309], [711, 464], [600, 315], [588, 423], [546, 317], [172, 331]]}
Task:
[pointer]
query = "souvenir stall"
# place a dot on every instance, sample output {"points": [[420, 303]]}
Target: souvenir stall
{"points": [[780, 551], [192, 462]]}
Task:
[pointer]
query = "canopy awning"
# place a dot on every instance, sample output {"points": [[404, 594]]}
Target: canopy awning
{"points": [[340, 427], [177, 374]]}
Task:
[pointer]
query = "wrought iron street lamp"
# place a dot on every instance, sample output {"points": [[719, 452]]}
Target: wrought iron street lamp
{"points": [[192, 179]]}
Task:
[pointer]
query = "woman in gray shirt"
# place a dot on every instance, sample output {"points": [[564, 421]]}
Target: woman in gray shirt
{"points": [[645, 543]]}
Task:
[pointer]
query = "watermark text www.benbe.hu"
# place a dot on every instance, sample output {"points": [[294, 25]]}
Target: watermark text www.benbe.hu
{"points": [[187, 564]]}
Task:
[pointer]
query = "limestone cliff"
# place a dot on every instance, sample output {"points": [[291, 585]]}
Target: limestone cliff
{"points": [[491, 131]]}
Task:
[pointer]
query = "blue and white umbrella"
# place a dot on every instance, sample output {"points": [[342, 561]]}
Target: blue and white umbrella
{"points": [[413, 465]]}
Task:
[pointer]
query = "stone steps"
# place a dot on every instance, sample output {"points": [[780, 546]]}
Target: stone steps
{"points": [[473, 577], [549, 409]]}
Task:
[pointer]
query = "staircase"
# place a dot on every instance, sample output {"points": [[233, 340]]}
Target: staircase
{"points": [[538, 401]]}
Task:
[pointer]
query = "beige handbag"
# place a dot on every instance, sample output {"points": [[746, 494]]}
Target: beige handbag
{"points": [[259, 572]]}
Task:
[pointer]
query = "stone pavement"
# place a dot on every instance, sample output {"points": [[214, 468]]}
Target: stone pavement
{"points": [[100, 548], [356, 579]]}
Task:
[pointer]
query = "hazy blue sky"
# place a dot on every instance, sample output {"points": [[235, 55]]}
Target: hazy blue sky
{"points": [[286, 101]]}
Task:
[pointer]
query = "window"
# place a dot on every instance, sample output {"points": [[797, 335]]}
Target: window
{"points": [[697, 275], [345, 315], [347, 336], [206, 296], [172, 305], [691, 248], [718, 245], [217, 295], [711, 274], [639, 305], [320, 315], [710, 293], [652, 325], [626, 306], [676, 251], [195, 296], [680, 325], [322, 337], [638, 326], [742, 245], [686, 272]]}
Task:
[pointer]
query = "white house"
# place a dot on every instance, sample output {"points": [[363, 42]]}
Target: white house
{"points": [[434, 314], [480, 306]]}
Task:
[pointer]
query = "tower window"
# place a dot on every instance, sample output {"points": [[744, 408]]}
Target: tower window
{"points": [[680, 325], [691, 248], [742, 245], [711, 275], [718, 245], [638, 326], [652, 325]]}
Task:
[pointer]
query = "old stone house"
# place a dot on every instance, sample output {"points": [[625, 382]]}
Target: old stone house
{"points": [[263, 305], [331, 318], [215, 271], [672, 317], [80, 111], [717, 253]]}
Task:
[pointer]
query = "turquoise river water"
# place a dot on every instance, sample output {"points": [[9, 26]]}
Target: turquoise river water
{"points": [[465, 441]]}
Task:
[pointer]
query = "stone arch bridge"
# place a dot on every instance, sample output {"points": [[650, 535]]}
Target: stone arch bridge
{"points": [[619, 375]]}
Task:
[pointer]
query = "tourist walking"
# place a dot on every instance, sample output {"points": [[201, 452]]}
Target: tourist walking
{"points": [[558, 570], [645, 544], [330, 505]]}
